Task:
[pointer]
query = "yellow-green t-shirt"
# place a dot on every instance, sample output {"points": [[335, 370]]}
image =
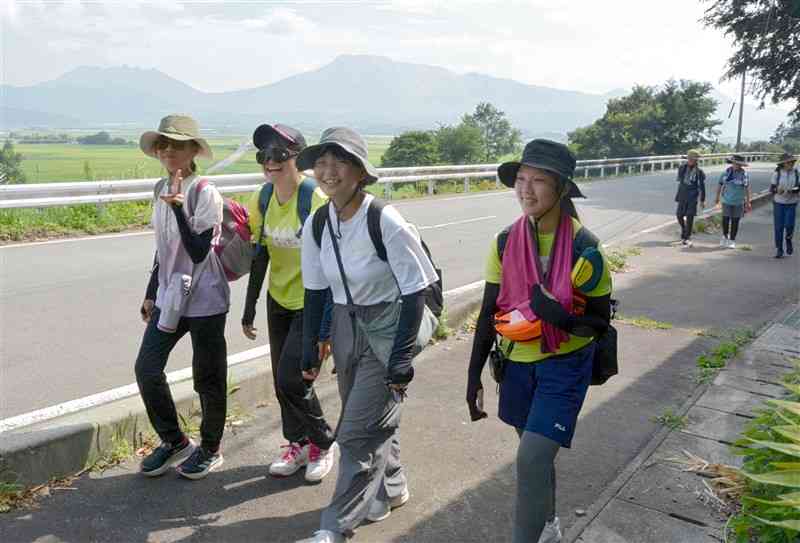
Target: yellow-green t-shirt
{"points": [[531, 351], [280, 231]]}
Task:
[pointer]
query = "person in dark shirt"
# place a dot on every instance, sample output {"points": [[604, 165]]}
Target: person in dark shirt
{"points": [[691, 186]]}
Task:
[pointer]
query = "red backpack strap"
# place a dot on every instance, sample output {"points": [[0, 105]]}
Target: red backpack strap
{"points": [[193, 194]]}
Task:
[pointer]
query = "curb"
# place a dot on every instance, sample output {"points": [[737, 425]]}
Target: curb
{"points": [[573, 534], [65, 445]]}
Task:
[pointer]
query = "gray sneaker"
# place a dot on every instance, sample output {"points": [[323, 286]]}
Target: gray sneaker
{"points": [[551, 532], [380, 510], [164, 457]]}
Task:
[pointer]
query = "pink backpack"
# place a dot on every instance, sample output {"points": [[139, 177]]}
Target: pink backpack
{"points": [[234, 249]]}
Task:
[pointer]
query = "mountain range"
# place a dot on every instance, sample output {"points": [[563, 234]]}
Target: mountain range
{"points": [[375, 95]]}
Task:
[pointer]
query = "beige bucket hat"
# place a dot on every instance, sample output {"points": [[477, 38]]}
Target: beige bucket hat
{"points": [[178, 128]]}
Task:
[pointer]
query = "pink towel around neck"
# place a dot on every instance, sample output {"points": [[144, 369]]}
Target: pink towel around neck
{"points": [[520, 273]]}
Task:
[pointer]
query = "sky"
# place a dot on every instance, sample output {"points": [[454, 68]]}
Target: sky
{"points": [[213, 46]]}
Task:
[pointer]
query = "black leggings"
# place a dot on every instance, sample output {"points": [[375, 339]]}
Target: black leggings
{"points": [[209, 371], [730, 224], [301, 412], [686, 226]]}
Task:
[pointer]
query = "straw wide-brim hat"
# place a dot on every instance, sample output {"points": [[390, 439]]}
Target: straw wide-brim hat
{"points": [[178, 128], [693, 154], [344, 138], [786, 157]]}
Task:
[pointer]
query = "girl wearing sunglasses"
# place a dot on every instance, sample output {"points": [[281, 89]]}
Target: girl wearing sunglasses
{"points": [[277, 211]]}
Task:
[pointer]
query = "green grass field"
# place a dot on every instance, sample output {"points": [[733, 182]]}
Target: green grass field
{"points": [[49, 163]]}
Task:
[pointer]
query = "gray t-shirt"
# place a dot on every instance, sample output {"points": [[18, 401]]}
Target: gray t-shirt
{"points": [[211, 294], [784, 182]]}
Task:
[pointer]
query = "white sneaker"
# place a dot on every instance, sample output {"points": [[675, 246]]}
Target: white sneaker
{"points": [[319, 462], [291, 459], [723, 242], [689, 243], [551, 532], [684, 242], [324, 536], [731, 244], [380, 510]]}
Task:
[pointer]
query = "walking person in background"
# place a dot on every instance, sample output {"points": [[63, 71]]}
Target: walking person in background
{"points": [[735, 195], [277, 211], [691, 186], [547, 278], [188, 292], [785, 188], [379, 309]]}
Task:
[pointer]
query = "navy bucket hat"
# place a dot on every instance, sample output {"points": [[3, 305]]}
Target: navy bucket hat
{"points": [[546, 155]]}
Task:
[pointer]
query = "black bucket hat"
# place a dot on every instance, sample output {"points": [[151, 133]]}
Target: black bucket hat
{"points": [[345, 139], [786, 157], [291, 137], [737, 159], [546, 155]]}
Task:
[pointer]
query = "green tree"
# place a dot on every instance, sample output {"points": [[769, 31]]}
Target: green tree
{"points": [[101, 138], [414, 148], [11, 165], [651, 121], [499, 137], [461, 144], [764, 35]]}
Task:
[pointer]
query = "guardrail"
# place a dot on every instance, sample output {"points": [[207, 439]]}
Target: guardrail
{"points": [[40, 195]]}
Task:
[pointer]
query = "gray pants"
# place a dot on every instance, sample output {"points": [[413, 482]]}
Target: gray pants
{"points": [[369, 465], [536, 486]]}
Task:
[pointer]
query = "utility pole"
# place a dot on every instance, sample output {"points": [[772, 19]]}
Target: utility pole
{"points": [[741, 111]]}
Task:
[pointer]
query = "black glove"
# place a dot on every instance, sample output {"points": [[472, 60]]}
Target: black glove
{"points": [[475, 390], [398, 376], [549, 310]]}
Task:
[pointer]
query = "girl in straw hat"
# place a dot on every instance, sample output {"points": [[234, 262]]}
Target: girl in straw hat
{"points": [[187, 293], [733, 193]]}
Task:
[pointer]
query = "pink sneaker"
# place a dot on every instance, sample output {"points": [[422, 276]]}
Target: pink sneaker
{"points": [[291, 459], [320, 462]]}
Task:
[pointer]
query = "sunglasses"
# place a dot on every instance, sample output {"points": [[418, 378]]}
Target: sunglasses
{"points": [[274, 153], [163, 142]]}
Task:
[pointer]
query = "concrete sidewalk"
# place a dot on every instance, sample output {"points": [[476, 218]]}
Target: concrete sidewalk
{"points": [[461, 474], [656, 500]]}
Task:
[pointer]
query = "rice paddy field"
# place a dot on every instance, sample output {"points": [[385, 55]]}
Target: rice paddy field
{"points": [[51, 163]]}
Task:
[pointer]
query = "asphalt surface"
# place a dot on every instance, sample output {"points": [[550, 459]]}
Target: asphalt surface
{"points": [[461, 474], [70, 327]]}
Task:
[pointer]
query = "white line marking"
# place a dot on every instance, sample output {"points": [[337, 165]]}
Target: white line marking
{"points": [[454, 223], [119, 393], [74, 240]]}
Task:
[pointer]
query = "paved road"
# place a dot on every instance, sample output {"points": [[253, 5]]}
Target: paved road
{"points": [[69, 325]]}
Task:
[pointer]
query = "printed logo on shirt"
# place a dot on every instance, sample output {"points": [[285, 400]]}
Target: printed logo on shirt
{"points": [[285, 238], [561, 427]]}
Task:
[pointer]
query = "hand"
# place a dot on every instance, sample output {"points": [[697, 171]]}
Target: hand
{"points": [[250, 331], [324, 350], [702, 204], [547, 308], [175, 197], [146, 311], [717, 205], [748, 207], [311, 375], [475, 401]]}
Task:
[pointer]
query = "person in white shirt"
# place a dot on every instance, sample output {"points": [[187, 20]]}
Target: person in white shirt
{"points": [[785, 188], [379, 307]]}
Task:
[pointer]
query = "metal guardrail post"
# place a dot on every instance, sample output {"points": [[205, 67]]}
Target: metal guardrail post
{"points": [[616, 170], [388, 188], [466, 185], [602, 171], [431, 187], [497, 181]]}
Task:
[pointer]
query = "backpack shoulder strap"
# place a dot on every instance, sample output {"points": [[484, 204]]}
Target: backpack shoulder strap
{"points": [[193, 193], [159, 186], [374, 226], [318, 222], [304, 198], [502, 239], [583, 240], [264, 197]]}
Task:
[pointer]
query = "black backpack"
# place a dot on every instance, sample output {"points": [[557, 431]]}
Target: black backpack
{"points": [[434, 294], [605, 363], [304, 201]]}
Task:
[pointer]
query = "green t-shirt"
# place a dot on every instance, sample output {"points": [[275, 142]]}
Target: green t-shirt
{"points": [[531, 351], [280, 237]]}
